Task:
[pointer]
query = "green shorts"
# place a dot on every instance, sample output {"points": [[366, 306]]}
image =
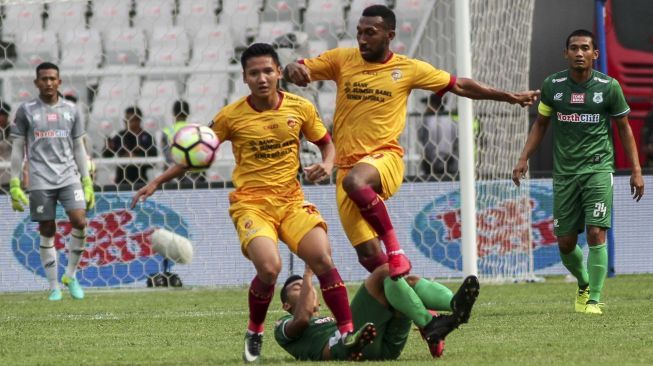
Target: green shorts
{"points": [[580, 200], [391, 331]]}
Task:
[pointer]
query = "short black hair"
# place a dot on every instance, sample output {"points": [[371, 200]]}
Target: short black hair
{"points": [[46, 66], [181, 108], [384, 12], [5, 108], [581, 33], [283, 294], [134, 110], [259, 49]]}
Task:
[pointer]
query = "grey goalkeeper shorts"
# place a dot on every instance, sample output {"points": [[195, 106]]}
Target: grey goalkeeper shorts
{"points": [[43, 203]]}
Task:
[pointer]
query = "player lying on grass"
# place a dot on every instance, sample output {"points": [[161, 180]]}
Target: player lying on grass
{"points": [[307, 336], [268, 202]]}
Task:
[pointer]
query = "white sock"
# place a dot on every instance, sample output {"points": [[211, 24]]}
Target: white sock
{"points": [[49, 261], [75, 251]]}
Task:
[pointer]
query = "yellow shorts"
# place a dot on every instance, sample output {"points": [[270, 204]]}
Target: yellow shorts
{"points": [[276, 219], [391, 168]]}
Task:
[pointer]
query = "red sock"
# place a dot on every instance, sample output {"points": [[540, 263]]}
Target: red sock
{"points": [[260, 296], [334, 293], [375, 213], [372, 263]]}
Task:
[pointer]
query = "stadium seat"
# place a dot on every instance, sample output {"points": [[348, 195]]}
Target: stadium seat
{"points": [[316, 47], [34, 47], [80, 49], [19, 89], [152, 14], [20, 18], [283, 10], [213, 85], [168, 46], [157, 113], [66, 15], [124, 46], [195, 15], [355, 10], [242, 17], [122, 88], [159, 89], [269, 31], [106, 119], [213, 46], [204, 108], [324, 19], [108, 15], [409, 15]]}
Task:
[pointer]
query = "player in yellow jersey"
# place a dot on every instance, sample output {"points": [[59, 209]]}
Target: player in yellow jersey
{"points": [[268, 202], [373, 85]]}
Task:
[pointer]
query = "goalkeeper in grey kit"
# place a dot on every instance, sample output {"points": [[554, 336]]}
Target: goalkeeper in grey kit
{"points": [[50, 131]]}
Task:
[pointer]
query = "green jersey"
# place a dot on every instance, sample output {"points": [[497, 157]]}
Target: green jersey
{"points": [[309, 345], [580, 114]]}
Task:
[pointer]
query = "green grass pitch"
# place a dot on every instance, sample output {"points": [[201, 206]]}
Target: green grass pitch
{"points": [[521, 324]]}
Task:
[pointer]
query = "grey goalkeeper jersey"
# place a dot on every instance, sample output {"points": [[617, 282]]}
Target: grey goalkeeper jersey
{"points": [[49, 131]]}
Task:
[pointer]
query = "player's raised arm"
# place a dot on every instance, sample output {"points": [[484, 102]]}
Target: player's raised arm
{"points": [[297, 73], [532, 142], [304, 308], [630, 148], [174, 171], [474, 90]]}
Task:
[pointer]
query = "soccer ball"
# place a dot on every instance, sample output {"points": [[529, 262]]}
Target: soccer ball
{"points": [[195, 147], [172, 246]]}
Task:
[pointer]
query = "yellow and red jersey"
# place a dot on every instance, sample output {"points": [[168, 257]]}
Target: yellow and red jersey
{"points": [[371, 99], [266, 143]]}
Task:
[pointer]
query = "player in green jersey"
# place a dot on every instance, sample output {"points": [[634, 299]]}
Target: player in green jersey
{"points": [[307, 336], [580, 102]]}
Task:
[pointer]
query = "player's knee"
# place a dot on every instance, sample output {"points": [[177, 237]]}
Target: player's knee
{"points": [[78, 223], [269, 273], [321, 264], [47, 228], [411, 280], [595, 235], [353, 183]]}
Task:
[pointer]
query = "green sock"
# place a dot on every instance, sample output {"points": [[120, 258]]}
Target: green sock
{"points": [[403, 298], [435, 296], [573, 261], [597, 266]]}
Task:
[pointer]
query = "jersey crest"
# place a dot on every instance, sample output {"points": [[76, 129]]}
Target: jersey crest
{"points": [[598, 97]]}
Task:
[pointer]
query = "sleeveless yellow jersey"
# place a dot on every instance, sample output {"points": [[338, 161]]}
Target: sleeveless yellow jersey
{"points": [[266, 143], [371, 99]]}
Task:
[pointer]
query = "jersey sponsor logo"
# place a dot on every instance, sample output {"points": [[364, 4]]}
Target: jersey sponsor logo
{"points": [[559, 80], [437, 228], [396, 74], [576, 117], [51, 134], [271, 127], [604, 81], [598, 97], [118, 247], [52, 117], [577, 98], [558, 96]]}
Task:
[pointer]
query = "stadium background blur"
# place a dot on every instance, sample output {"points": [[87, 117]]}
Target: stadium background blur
{"points": [[117, 53]]}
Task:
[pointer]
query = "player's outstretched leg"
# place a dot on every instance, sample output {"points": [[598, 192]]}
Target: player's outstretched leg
{"points": [[356, 341], [373, 210], [436, 349], [463, 300]]}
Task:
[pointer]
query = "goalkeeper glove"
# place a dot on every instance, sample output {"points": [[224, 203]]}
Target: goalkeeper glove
{"points": [[89, 195], [18, 198]]}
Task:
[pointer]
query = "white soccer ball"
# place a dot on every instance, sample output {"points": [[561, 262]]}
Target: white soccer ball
{"points": [[172, 246]]}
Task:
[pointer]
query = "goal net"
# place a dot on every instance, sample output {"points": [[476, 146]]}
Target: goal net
{"points": [[118, 54]]}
